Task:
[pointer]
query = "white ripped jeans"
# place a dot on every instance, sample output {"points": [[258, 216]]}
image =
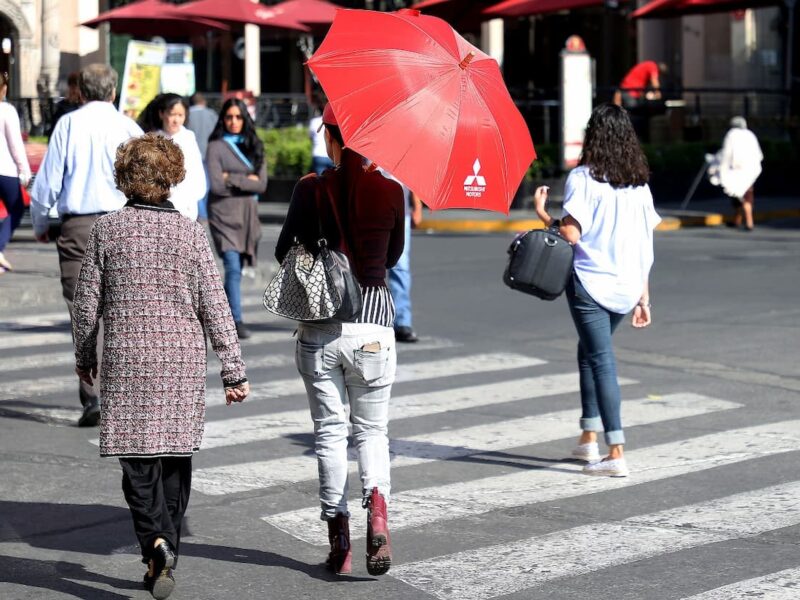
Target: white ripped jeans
{"points": [[341, 363]]}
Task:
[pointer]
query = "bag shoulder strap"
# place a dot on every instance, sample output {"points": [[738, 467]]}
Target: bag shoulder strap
{"points": [[339, 225]]}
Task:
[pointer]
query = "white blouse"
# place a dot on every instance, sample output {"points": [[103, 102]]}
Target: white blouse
{"points": [[13, 160], [188, 193], [615, 252]]}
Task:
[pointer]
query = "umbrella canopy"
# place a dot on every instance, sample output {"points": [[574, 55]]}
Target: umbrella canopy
{"points": [[153, 17], [316, 13], [677, 8], [416, 98], [524, 8], [242, 12], [465, 15]]}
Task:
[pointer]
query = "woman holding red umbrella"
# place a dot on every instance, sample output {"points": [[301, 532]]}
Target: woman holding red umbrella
{"points": [[350, 363]]}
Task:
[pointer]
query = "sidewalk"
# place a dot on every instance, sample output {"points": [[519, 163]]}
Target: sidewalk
{"points": [[702, 213]]}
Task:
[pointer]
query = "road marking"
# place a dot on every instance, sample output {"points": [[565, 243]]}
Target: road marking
{"points": [[783, 585], [453, 443], [509, 568], [416, 508], [28, 340], [244, 430], [432, 369], [51, 319], [27, 388]]}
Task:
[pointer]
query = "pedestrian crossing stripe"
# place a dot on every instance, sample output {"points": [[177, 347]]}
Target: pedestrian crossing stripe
{"points": [[431, 369], [505, 569], [420, 507], [270, 426], [452, 443], [783, 585]]}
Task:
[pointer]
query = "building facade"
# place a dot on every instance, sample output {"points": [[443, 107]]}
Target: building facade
{"points": [[41, 42]]}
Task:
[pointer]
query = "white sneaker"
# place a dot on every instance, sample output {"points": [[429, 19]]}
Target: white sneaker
{"points": [[611, 467], [589, 452]]}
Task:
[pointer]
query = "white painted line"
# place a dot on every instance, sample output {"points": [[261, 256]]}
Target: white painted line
{"points": [[783, 585], [416, 508], [36, 361], [509, 568], [56, 415], [453, 443], [40, 320], [28, 388], [243, 430], [28, 340], [432, 369]]}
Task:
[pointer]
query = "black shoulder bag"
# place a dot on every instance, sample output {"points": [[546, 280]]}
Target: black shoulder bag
{"points": [[540, 263]]}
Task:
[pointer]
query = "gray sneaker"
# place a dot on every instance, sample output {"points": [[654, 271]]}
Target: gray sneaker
{"points": [[610, 467]]}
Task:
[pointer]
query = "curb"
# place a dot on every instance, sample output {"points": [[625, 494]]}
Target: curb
{"points": [[518, 225]]}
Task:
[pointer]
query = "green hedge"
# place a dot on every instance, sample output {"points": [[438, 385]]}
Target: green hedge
{"points": [[287, 150]]}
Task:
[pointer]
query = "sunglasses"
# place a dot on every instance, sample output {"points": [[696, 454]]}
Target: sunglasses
{"points": [[233, 118]]}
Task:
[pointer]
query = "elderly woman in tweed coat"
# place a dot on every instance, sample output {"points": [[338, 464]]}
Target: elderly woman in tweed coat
{"points": [[150, 274]]}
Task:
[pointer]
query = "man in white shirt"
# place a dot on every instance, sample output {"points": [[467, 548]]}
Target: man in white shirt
{"points": [[77, 176]]}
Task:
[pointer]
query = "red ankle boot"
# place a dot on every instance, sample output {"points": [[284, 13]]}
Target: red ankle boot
{"points": [[341, 555], [379, 548]]}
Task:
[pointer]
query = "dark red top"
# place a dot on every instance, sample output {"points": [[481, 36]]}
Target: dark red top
{"points": [[371, 208], [639, 77]]}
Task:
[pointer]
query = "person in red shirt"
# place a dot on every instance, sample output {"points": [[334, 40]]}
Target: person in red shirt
{"points": [[643, 80]]}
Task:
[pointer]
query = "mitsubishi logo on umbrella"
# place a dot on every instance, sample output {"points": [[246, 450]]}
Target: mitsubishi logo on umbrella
{"points": [[475, 185]]}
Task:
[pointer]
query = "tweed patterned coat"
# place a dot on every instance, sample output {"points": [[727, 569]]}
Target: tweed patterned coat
{"points": [[149, 273]]}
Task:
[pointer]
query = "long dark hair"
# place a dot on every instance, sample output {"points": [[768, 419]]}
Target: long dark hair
{"points": [[251, 146], [150, 117], [611, 149]]}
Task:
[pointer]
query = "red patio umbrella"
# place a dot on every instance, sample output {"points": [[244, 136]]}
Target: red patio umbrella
{"points": [[465, 15], [242, 12], [315, 13], [524, 8], [416, 98], [677, 8], [148, 18]]}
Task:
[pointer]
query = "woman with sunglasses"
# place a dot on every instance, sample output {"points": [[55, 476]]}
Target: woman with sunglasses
{"points": [[237, 173]]}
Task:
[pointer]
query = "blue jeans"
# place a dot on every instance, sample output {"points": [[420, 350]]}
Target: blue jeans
{"points": [[232, 262], [400, 282], [12, 198], [600, 397]]}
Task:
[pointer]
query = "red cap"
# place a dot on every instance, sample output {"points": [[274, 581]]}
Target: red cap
{"points": [[328, 118]]}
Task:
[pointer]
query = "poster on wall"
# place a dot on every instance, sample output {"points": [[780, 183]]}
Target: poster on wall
{"points": [[577, 92], [177, 73], [141, 79]]}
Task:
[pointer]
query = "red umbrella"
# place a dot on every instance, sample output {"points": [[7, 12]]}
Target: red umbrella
{"points": [[152, 17], [524, 8], [240, 12], [416, 98], [676, 8]]}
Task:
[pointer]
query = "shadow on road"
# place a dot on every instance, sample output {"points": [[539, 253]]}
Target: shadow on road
{"points": [[61, 576]]}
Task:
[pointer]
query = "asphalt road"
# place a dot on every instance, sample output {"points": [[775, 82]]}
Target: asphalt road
{"points": [[486, 503]]}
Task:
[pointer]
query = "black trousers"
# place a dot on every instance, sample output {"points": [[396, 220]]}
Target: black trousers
{"points": [[157, 492]]}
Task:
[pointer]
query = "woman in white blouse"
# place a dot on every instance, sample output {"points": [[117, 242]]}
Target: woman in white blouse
{"points": [[609, 217], [14, 170], [167, 114]]}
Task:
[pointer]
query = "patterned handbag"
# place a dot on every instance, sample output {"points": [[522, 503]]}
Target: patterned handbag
{"points": [[309, 288]]}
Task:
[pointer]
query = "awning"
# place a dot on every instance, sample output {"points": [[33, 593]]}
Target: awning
{"points": [[242, 12], [678, 8], [316, 13], [524, 8], [148, 18]]}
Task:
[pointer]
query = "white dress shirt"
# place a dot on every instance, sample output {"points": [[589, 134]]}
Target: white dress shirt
{"points": [[615, 251], [188, 193], [13, 160], [77, 174]]}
